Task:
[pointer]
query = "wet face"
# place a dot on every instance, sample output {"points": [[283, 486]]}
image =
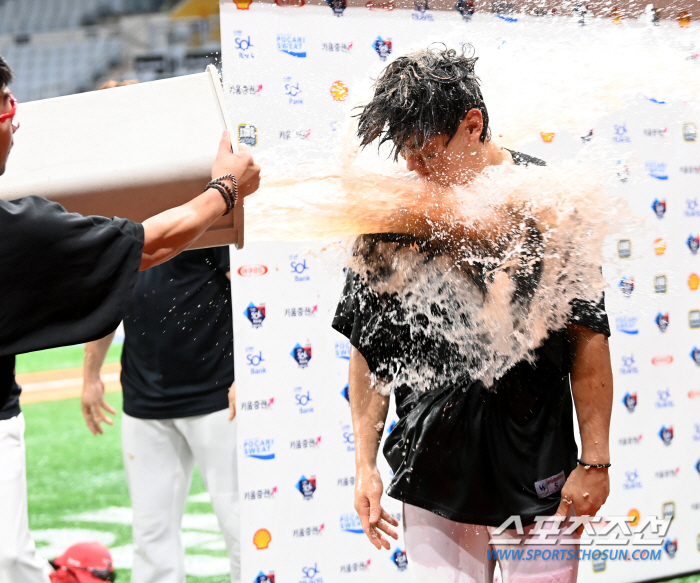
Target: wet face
{"points": [[7, 128], [447, 161]]}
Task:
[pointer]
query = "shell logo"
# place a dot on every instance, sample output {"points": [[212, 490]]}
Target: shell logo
{"points": [[693, 281], [243, 4], [616, 15], [262, 538], [635, 516], [659, 246], [339, 91], [684, 19], [547, 137]]}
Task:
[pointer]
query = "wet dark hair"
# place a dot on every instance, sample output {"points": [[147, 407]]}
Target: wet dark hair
{"points": [[5, 73], [421, 95]]}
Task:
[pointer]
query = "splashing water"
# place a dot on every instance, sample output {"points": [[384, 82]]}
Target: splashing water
{"points": [[511, 250]]}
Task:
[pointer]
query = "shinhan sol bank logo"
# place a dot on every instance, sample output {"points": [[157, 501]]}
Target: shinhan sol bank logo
{"points": [[259, 448], [256, 314]]}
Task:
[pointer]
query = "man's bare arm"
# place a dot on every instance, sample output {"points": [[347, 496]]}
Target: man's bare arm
{"points": [[592, 388], [174, 230], [92, 400], [369, 410]]}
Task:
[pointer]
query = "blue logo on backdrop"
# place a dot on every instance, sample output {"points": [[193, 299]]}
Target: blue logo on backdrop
{"points": [[346, 393], [657, 170], [630, 401], [307, 487], [692, 207], [292, 90], [391, 426], [664, 399], [662, 321], [255, 360], [342, 349], [659, 208], [621, 136], [627, 324], [382, 47], [292, 45], [697, 466], [632, 480], [302, 401], [298, 268], [666, 434], [629, 365], [338, 6], [671, 546], [421, 11], [695, 355], [256, 314], [262, 578], [696, 437], [351, 523], [626, 286], [693, 244], [260, 449], [311, 574], [400, 560], [243, 45], [348, 438], [302, 354]]}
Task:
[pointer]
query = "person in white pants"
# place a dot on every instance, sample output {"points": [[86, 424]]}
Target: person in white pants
{"points": [[179, 406]]}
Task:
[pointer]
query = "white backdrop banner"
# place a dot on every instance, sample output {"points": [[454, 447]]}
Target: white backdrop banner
{"points": [[288, 74]]}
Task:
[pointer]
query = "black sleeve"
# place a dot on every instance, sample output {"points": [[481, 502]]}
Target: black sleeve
{"points": [[64, 278], [592, 315]]}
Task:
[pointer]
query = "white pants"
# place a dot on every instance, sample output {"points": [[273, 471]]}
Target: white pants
{"points": [[158, 457], [442, 551], [18, 559]]}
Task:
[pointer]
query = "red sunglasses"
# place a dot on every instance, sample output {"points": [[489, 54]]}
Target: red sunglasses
{"points": [[10, 114]]}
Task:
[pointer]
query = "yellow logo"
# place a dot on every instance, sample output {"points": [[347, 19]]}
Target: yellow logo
{"points": [[547, 137], [243, 4], [635, 516], [262, 538], [659, 246], [339, 91], [694, 281], [616, 15], [684, 19]]}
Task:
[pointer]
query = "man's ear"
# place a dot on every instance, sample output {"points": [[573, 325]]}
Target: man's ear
{"points": [[472, 125]]}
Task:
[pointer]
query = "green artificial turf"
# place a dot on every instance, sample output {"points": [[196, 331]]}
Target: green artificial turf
{"points": [[63, 357]]}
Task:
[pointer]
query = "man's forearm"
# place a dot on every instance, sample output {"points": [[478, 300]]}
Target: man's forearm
{"points": [[95, 353], [592, 388], [369, 410]]}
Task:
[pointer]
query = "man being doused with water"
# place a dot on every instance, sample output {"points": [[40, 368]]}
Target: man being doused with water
{"points": [[482, 436]]}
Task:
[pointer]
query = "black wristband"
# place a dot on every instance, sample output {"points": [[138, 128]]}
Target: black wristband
{"points": [[222, 191], [585, 465]]}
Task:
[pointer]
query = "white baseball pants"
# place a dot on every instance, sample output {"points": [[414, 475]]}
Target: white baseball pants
{"points": [[159, 456]]}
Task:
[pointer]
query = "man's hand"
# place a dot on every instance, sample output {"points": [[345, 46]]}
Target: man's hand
{"points": [[375, 520], [587, 489], [240, 164], [92, 402], [232, 402]]}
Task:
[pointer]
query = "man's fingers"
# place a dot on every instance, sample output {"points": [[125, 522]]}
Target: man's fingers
{"points": [[375, 512], [107, 407], [563, 509], [385, 528], [225, 143], [389, 518]]}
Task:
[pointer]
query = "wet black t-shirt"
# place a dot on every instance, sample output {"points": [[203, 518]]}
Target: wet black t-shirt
{"points": [[9, 390], [463, 451], [177, 359]]}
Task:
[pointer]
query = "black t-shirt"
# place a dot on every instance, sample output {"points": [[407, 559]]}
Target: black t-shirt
{"points": [[461, 450], [177, 359], [9, 390], [64, 278]]}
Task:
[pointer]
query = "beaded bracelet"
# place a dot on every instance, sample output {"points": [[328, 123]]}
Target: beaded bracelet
{"points": [[224, 194], [232, 178], [585, 465]]}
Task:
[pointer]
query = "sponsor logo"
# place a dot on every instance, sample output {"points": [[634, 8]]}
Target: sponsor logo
{"points": [[259, 448], [382, 46], [624, 248], [311, 574], [632, 481], [629, 365], [262, 539], [293, 92], [256, 314], [697, 467], [301, 312], [339, 91], [654, 133], [248, 135], [683, 19], [262, 578], [692, 207], [306, 531], [693, 244], [266, 494], [302, 401], [633, 440], [342, 349], [659, 360], [695, 355], [351, 523], [657, 170], [662, 321], [666, 434], [302, 354], [337, 47], [694, 319], [690, 169], [550, 485], [599, 564], [621, 135], [381, 5], [690, 132], [671, 546], [465, 8], [588, 137], [254, 359], [635, 516], [626, 286], [242, 4], [252, 270], [422, 11], [356, 567], [258, 405], [245, 89], [693, 281], [307, 487], [664, 399], [348, 437], [659, 208], [293, 3], [309, 443], [243, 45], [627, 324], [298, 268], [294, 134], [623, 171], [694, 394], [547, 137], [660, 284], [346, 481], [292, 45], [630, 401], [672, 473], [659, 246], [696, 435], [346, 393], [399, 559], [338, 6]]}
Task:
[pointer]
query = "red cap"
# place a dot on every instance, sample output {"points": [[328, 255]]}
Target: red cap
{"points": [[88, 555]]}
